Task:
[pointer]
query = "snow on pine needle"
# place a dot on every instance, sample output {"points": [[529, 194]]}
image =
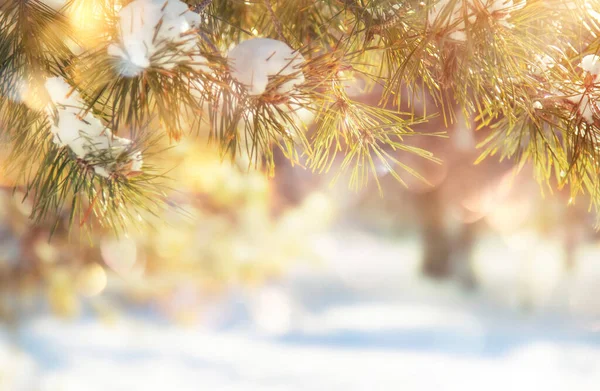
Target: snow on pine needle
{"points": [[585, 101], [452, 16], [262, 104], [154, 33], [271, 71], [254, 62], [85, 135]]}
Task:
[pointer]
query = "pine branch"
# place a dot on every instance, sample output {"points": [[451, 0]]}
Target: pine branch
{"points": [[275, 20], [490, 62]]}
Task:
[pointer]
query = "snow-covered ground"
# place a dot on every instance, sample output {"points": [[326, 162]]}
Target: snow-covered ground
{"points": [[361, 321]]}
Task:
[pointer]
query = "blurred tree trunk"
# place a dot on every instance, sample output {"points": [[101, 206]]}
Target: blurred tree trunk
{"points": [[435, 236], [464, 254]]}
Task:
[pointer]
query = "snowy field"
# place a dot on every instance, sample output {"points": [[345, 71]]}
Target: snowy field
{"points": [[362, 321]]}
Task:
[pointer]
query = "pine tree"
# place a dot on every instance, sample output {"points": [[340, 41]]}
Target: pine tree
{"points": [[92, 92]]}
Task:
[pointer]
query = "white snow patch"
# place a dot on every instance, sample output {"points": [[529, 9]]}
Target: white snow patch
{"points": [[155, 33], [591, 64], [84, 133], [454, 19], [255, 61]]}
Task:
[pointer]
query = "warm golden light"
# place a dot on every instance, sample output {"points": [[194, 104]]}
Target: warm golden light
{"points": [[91, 280]]}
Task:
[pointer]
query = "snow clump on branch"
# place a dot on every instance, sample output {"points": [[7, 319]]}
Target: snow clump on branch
{"points": [[584, 101], [155, 33], [85, 135], [254, 62], [469, 10]]}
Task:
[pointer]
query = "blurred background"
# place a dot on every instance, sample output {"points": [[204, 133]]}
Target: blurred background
{"points": [[476, 281]]}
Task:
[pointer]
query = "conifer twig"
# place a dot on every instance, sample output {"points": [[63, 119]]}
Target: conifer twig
{"points": [[275, 20], [200, 7]]}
